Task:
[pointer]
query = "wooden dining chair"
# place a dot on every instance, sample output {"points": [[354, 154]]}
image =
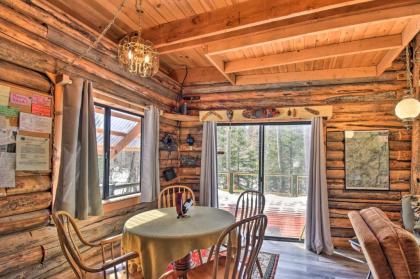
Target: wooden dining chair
{"points": [[235, 253], [167, 197], [68, 232], [250, 203]]}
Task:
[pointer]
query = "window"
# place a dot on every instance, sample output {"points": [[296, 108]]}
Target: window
{"points": [[119, 140]]}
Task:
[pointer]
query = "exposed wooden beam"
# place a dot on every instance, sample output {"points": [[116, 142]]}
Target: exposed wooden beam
{"points": [[332, 74], [114, 133], [299, 24], [313, 27], [321, 52], [412, 28], [198, 75], [220, 66], [126, 141], [238, 16]]}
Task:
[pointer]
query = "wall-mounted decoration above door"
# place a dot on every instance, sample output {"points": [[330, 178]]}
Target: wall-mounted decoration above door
{"points": [[366, 160], [261, 113], [266, 114]]}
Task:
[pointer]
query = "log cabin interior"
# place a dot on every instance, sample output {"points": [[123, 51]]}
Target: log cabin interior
{"points": [[209, 139]]}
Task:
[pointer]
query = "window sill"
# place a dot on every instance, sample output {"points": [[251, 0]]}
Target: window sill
{"points": [[121, 202]]}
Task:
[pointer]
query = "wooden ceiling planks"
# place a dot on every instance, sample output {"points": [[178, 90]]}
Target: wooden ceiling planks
{"points": [[239, 37]]}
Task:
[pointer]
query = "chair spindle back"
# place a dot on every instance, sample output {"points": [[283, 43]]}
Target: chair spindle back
{"points": [[242, 241], [250, 203], [167, 197]]}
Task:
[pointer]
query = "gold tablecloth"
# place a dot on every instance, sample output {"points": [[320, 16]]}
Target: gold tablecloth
{"points": [[160, 238]]}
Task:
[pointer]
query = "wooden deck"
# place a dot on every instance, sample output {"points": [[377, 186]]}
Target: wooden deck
{"points": [[297, 263], [286, 216]]}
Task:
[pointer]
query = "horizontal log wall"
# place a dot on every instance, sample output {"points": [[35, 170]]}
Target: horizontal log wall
{"points": [[168, 159], [190, 175], [29, 247], [59, 39], [35, 39], [357, 105]]}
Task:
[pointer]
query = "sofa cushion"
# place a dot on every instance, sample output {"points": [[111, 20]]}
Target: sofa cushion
{"points": [[399, 246], [371, 247]]}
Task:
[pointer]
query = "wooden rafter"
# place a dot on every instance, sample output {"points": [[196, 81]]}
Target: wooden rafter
{"points": [[412, 28], [364, 13], [306, 75], [220, 66], [321, 52], [313, 27], [239, 16]]}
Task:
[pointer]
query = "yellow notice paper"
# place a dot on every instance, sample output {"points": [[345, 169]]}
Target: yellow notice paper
{"points": [[32, 153], [4, 95]]}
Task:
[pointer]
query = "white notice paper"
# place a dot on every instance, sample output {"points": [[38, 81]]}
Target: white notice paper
{"points": [[32, 153], [7, 169], [35, 123], [7, 136], [4, 122]]}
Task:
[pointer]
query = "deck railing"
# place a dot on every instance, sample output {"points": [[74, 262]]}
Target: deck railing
{"points": [[291, 185]]}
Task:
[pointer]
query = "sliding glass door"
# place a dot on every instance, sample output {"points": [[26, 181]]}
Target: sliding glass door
{"points": [[285, 168], [272, 158], [238, 162]]}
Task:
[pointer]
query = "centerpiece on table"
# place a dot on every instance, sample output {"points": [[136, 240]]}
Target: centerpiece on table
{"points": [[181, 206]]}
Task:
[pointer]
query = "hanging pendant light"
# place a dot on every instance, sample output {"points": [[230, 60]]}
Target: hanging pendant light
{"points": [[136, 55], [409, 107]]}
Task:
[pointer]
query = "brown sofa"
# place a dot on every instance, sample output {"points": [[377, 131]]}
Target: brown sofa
{"points": [[390, 250]]}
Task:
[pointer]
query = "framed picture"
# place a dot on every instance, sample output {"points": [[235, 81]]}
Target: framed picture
{"points": [[366, 160]]}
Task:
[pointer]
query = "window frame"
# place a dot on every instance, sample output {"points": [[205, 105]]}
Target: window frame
{"points": [[107, 146], [261, 141]]}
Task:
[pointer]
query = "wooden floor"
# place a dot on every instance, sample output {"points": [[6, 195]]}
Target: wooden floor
{"points": [[296, 262]]}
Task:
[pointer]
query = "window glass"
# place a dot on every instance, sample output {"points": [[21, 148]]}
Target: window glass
{"points": [[118, 136], [125, 145]]}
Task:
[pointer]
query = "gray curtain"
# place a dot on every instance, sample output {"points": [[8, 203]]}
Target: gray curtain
{"points": [[318, 234], [150, 174], [78, 189], [208, 177]]}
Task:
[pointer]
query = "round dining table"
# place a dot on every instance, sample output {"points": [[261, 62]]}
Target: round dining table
{"points": [[160, 238]]}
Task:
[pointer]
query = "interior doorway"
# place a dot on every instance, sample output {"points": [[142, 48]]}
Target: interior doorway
{"points": [[272, 158]]}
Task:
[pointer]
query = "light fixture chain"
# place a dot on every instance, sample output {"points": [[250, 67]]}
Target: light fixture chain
{"points": [[99, 38], [139, 11], [408, 70]]}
